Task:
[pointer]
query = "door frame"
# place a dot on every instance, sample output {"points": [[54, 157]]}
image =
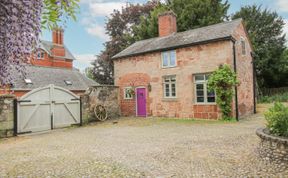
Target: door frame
{"points": [[137, 99]]}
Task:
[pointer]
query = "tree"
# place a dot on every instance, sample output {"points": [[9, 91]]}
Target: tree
{"points": [[265, 29], [190, 14], [20, 26], [119, 28]]}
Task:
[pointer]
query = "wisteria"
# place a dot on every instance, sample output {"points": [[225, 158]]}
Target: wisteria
{"points": [[19, 31], [20, 27]]}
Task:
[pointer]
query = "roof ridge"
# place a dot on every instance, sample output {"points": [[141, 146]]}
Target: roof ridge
{"points": [[221, 23]]}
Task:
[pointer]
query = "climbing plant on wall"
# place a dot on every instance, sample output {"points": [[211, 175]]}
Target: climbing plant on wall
{"points": [[223, 81]]}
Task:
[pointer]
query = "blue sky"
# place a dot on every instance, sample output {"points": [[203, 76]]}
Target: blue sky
{"points": [[86, 36]]}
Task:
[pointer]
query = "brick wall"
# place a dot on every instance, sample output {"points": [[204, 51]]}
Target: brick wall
{"points": [[146, 69], [245, 74]]}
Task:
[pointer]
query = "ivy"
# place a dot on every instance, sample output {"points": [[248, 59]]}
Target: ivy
{"points": [[223, 81]]}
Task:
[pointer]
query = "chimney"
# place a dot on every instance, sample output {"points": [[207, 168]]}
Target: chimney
{"points": [[167, 23], [58, 36]]}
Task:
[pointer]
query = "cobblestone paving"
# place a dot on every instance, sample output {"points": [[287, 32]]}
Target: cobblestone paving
{"points": [[140, 148]]}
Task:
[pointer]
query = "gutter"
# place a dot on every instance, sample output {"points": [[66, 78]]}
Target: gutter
{"points": [[236, 90], [176, 47]]}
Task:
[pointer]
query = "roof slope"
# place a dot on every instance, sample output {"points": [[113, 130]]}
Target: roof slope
{"points": [[190, 37], [43, 76], [48, 45]]}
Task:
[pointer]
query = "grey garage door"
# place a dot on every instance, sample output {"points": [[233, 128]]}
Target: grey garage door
{"points": [[47, 108]]}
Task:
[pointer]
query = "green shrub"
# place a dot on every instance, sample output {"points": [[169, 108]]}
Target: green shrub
{"points": [[277, 120], [283, 97]]}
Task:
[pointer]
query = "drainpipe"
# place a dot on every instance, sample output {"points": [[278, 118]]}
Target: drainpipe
{"points": [[236, 90], [254, 82]]}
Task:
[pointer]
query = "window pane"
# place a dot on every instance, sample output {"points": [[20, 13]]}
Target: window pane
{"points": [[165, 59], [199, 78], [211, 93], [173, 88], [173, 58], [211, 99], [200, 99], [200, 93], [173, 79], [243, 47], [200, 86]]}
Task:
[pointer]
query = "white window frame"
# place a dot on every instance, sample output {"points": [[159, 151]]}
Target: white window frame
{"points": [[205, 89], [124, 92], [242, 41], [39, 54], [170, 87], [169, 59]]}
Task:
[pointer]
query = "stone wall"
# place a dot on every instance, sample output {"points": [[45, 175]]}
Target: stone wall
{"points": [[6, 116], [273, 149], [107, 96]]}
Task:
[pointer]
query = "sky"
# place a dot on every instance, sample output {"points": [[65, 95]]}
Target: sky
{"points": [[86, 36]]}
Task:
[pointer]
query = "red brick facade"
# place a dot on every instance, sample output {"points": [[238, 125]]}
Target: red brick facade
{"points": [[146, 70]]}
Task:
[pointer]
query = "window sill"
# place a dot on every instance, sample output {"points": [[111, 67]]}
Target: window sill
{"points": [[168, 67], [205, 104], [169, 99]]}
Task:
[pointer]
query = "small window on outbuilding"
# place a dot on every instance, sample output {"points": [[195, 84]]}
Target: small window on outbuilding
{"points": [[28, 81], [243, 47], [128, 93], [68, 82], [40, 55]]}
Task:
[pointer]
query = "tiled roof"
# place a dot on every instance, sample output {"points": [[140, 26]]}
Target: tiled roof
{"points": [[48, 45], [205, 34], [43, 76]]}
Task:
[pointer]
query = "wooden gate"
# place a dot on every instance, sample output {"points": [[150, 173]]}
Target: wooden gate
{"points": [[47, 108]]}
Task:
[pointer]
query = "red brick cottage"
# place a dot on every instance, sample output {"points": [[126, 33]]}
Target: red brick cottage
{"points": [[169, 73], [52, 63]]}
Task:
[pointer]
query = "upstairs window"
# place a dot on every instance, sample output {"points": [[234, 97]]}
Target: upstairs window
{"points": [[169, 83], [243, 47], [40, 55], [169, 59], [203, 95]]}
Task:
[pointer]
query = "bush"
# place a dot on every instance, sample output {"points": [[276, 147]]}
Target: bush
{"points": [[277, 120], [282, 97]]}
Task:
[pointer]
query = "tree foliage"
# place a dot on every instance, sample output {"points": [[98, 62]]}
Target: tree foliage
{"points": [[223, 81], [20, 26], [190, 14], [119, 28], [265, 29], [138, 22]]}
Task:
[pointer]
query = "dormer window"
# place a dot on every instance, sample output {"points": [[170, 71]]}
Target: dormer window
{"points": [[28, 81], [40, 55], [68, 82], [169, 59]]}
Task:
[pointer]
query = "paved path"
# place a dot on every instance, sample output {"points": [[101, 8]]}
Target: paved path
{"points": [[140, 148]]}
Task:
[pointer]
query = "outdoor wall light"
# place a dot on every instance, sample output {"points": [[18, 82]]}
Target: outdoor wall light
{"points": [[149, 87]]}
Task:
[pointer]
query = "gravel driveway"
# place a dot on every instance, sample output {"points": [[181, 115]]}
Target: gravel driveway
{"points": [[140, 148]]}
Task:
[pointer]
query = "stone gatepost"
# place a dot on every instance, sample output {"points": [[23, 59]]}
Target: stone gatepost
{"points": [[6, 115]]}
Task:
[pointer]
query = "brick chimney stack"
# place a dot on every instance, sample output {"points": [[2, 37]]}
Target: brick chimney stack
{"points": [[58, 36], [167, 23]]}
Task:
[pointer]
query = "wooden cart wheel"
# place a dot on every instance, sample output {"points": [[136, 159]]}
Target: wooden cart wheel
{"points": [[100, 112]]}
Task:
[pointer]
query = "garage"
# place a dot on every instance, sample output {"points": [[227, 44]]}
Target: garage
{"points": [[47, 108]]}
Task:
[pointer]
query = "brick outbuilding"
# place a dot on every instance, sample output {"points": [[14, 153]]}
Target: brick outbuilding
{"points": [[167, 76]]}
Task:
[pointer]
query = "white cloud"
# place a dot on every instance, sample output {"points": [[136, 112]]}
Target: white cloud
{"points": [[83, 61], [104, 9], [97, 31], [98, 8], [282, 5], [286, 28]]}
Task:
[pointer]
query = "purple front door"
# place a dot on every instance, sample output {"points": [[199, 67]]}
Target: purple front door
{"points": [[141, 102]]}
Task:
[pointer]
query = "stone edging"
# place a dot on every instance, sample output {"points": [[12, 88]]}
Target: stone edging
{"points": [[263, 134]]}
